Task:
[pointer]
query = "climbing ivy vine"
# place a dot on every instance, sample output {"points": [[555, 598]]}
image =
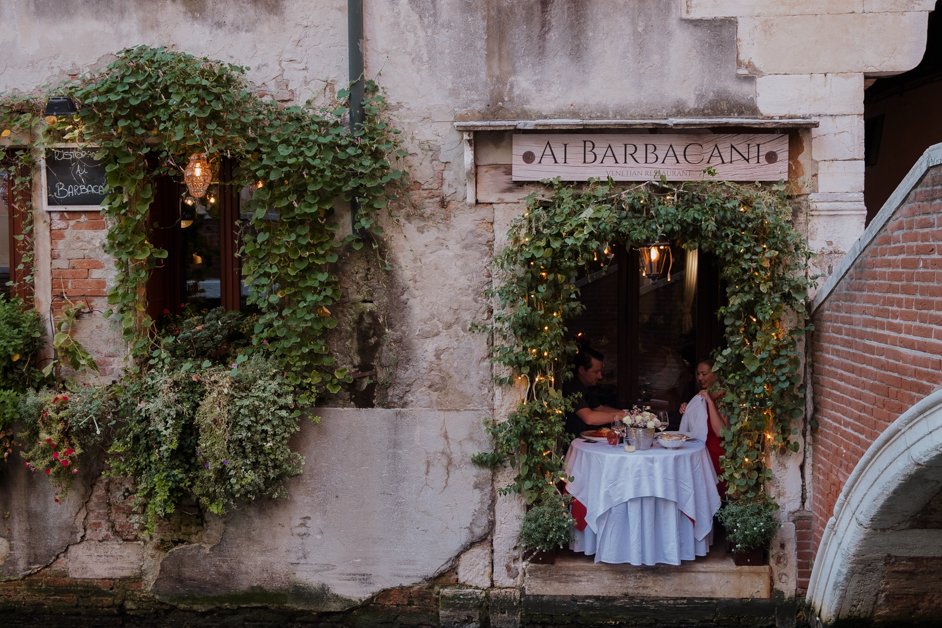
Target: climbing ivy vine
{"points": [[210, 420], [152, 108], [763, 265]]}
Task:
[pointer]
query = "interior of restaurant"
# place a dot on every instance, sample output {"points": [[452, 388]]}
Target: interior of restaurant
{"points": [[652, 329], [202, 237]]}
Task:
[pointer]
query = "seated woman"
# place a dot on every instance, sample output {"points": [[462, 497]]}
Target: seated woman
{"points": [[703, 420]]}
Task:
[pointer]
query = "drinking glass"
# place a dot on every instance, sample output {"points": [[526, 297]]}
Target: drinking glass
{"points": [[664, 418]]}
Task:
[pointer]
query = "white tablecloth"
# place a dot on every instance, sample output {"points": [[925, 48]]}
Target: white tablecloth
{"points": [[645, 507]]}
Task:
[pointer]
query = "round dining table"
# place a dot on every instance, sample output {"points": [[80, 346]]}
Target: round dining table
{"points": [[642, 507]]}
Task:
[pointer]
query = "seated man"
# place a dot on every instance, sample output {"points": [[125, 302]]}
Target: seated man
{"points": [[588, 410]]}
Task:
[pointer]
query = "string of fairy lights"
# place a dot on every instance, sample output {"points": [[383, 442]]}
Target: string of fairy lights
{"points": [[556, 239]]}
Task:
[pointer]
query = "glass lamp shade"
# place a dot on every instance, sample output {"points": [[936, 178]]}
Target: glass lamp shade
{"points": [[656, 260], [198, 175]]}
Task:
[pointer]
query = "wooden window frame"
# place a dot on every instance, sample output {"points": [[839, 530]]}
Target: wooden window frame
{"points": [[18, 204]]}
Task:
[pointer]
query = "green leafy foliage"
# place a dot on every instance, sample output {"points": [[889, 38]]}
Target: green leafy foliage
{"points": [[68, 350], [156, 439], [750, 523], [21, 336], [58, 426], [204, 423], [152, 108], [547, 526], [763, 262], [206, 412], [245, 421]]}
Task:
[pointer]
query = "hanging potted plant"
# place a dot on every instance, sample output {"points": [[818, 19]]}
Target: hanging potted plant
{"points": [[750, 525]]}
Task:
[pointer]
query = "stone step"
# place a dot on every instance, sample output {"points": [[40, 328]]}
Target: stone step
{"points": [[714, 576]]}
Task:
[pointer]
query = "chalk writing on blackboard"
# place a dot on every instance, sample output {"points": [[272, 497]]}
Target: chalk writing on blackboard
{"points": [[74, 177]]}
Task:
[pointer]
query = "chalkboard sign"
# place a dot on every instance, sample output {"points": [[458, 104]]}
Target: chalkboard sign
{"points": [[74, 178]]}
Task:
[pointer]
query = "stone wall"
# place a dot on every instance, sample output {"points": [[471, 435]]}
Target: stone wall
{"points": [[389, 497]]}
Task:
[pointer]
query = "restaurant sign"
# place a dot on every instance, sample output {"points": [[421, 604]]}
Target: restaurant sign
{"points": [[643, 157], [75, 179]]}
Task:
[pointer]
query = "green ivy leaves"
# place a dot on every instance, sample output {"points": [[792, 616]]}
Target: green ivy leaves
{"points": [[208, 413], [153, 107], [763, 263]]}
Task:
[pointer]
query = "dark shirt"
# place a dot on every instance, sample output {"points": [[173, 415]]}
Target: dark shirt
{"points": [[585, 397]]}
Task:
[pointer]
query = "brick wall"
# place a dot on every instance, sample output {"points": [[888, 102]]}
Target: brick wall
{"points": [[877, 344], [80, 273], [78, 269], [804, 548]]}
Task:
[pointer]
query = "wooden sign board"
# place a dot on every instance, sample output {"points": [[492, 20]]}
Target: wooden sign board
{"points": [[74, 178], [644, 157]]}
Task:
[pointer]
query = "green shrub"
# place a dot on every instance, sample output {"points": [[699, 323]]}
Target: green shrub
{"points": [[218, 436], [21, 336], [245, 422], [215, 335], [58, 426], [9, 411], [750, 523], [49, 445], [547, 526]]}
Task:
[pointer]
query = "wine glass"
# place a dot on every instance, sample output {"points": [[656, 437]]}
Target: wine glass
{"points": [[664, 418]]}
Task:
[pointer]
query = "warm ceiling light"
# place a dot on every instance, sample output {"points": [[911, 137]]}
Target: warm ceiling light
{"points": [[198, 175], [656, 260]]}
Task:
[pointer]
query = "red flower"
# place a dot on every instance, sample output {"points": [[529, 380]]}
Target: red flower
{"points": [[74, 470], [55, 455], [48, 441], [65, 463], [69, 451], [48, 471]]}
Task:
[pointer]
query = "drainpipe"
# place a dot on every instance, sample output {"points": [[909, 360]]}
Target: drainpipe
{"points": [[355, 56]]}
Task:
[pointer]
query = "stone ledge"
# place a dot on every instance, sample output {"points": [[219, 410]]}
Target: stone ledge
{"points": [[715, 577], [558, 611], [810, 44]]}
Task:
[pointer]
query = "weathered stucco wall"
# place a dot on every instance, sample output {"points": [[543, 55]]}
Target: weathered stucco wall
{"points": [[296, 50], [556, 59], [389, 496]]}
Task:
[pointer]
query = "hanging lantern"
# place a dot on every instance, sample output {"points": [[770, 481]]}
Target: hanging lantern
{"points": [[198, 175], [656, 260]]}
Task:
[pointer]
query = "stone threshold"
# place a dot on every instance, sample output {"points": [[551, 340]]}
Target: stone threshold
{"points": [[713, 576]]}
